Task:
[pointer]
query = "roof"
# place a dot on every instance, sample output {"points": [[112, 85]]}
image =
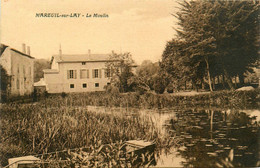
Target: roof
{"points": [[3, 47], [40, 83], [81, 57]]}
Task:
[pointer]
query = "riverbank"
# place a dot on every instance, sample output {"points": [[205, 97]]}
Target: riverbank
{"points": [[59, 122], [225, 99]]}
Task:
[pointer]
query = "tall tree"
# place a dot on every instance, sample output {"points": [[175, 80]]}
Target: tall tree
{"points": [[237, 36], [218, 37]]}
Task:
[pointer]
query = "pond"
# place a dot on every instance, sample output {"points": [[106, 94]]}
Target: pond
{"points": [[204, 137]]}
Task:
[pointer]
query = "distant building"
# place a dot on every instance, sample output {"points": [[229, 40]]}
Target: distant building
{"points": [[19, 66], [77, 73]]}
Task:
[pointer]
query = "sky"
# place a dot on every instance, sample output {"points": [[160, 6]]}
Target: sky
{"points": [[141, 27]]}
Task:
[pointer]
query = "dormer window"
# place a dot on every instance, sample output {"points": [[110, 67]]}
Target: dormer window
{"points": [[83, 63]]}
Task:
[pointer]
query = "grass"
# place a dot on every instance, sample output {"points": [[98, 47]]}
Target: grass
{"points": [[224, 99], [49, 126], [62, 122]]}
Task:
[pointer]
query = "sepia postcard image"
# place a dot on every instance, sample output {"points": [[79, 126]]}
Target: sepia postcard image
{"points": [[129, 83]]}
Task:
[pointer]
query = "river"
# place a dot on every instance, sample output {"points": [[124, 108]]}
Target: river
{"points": [[204, 137]]}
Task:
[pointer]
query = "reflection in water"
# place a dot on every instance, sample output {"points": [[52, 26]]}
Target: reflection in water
{"points": [[204, 138], [215, 138]]}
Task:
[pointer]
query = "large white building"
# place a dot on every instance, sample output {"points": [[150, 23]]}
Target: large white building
{"points": [[77, 73], [19, 67]]}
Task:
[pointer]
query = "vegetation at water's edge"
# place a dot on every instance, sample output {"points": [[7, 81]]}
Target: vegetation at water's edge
{"points": [[223, 99], [29, 129]]}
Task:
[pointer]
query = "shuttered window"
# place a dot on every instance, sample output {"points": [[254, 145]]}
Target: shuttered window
{"points": [[72, 74], [95, 73], [100, 73], [84, 73]]}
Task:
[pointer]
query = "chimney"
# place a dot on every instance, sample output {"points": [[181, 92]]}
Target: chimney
{"points": [[24, 48], [89, 52], [60, 52], [113, 52], [28, 50]]}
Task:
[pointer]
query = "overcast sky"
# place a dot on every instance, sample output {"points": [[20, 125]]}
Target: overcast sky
{"points": [[141, 27]]}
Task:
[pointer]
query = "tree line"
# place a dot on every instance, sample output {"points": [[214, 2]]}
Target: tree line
{"points": [[214, 39]]}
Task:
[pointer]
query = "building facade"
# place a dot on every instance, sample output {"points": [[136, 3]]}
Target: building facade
{"points": [[77, 73], [20, 67]]}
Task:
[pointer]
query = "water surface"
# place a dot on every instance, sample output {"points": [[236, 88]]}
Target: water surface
{"points": [[204, 137]]}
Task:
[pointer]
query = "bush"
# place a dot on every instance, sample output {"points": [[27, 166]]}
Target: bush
{"points": [[170, 88], [159, 86], [63, 94]]}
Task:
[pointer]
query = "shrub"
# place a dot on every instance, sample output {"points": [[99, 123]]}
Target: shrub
{"points": [[159, 86], [170, 88], [63, 94]]}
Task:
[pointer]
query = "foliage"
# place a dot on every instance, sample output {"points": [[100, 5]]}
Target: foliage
{"points": [[170, 88], [147, 73], [29, 129], [5, 84], [225, 99], [58, 123], [214, 38], [39, 66], [120, 65]]}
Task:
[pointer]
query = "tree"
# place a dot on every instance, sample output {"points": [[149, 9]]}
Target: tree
{"points": [[237, 36], [179, 65], [146, 74], [214, 38], [39, 65], [5, 84], [120, 66]]}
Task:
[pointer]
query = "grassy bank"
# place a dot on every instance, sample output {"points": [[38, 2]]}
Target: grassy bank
{"points": [[62, 122], [28, 129], [223, 99]]}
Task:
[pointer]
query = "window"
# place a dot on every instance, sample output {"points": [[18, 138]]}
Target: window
{"points": [[84, 73], [72, 74], [96, 84], [71, 85], [95, 73], [108, 84], [84, 85], [83, 63]]}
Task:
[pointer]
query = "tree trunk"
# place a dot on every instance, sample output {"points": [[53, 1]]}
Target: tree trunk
{"points": [[241, 79], [213, 83], [194, 86], [228, 79], [223, 81], [235, 82], [209, 78], [202, 85], [211, 123]]}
